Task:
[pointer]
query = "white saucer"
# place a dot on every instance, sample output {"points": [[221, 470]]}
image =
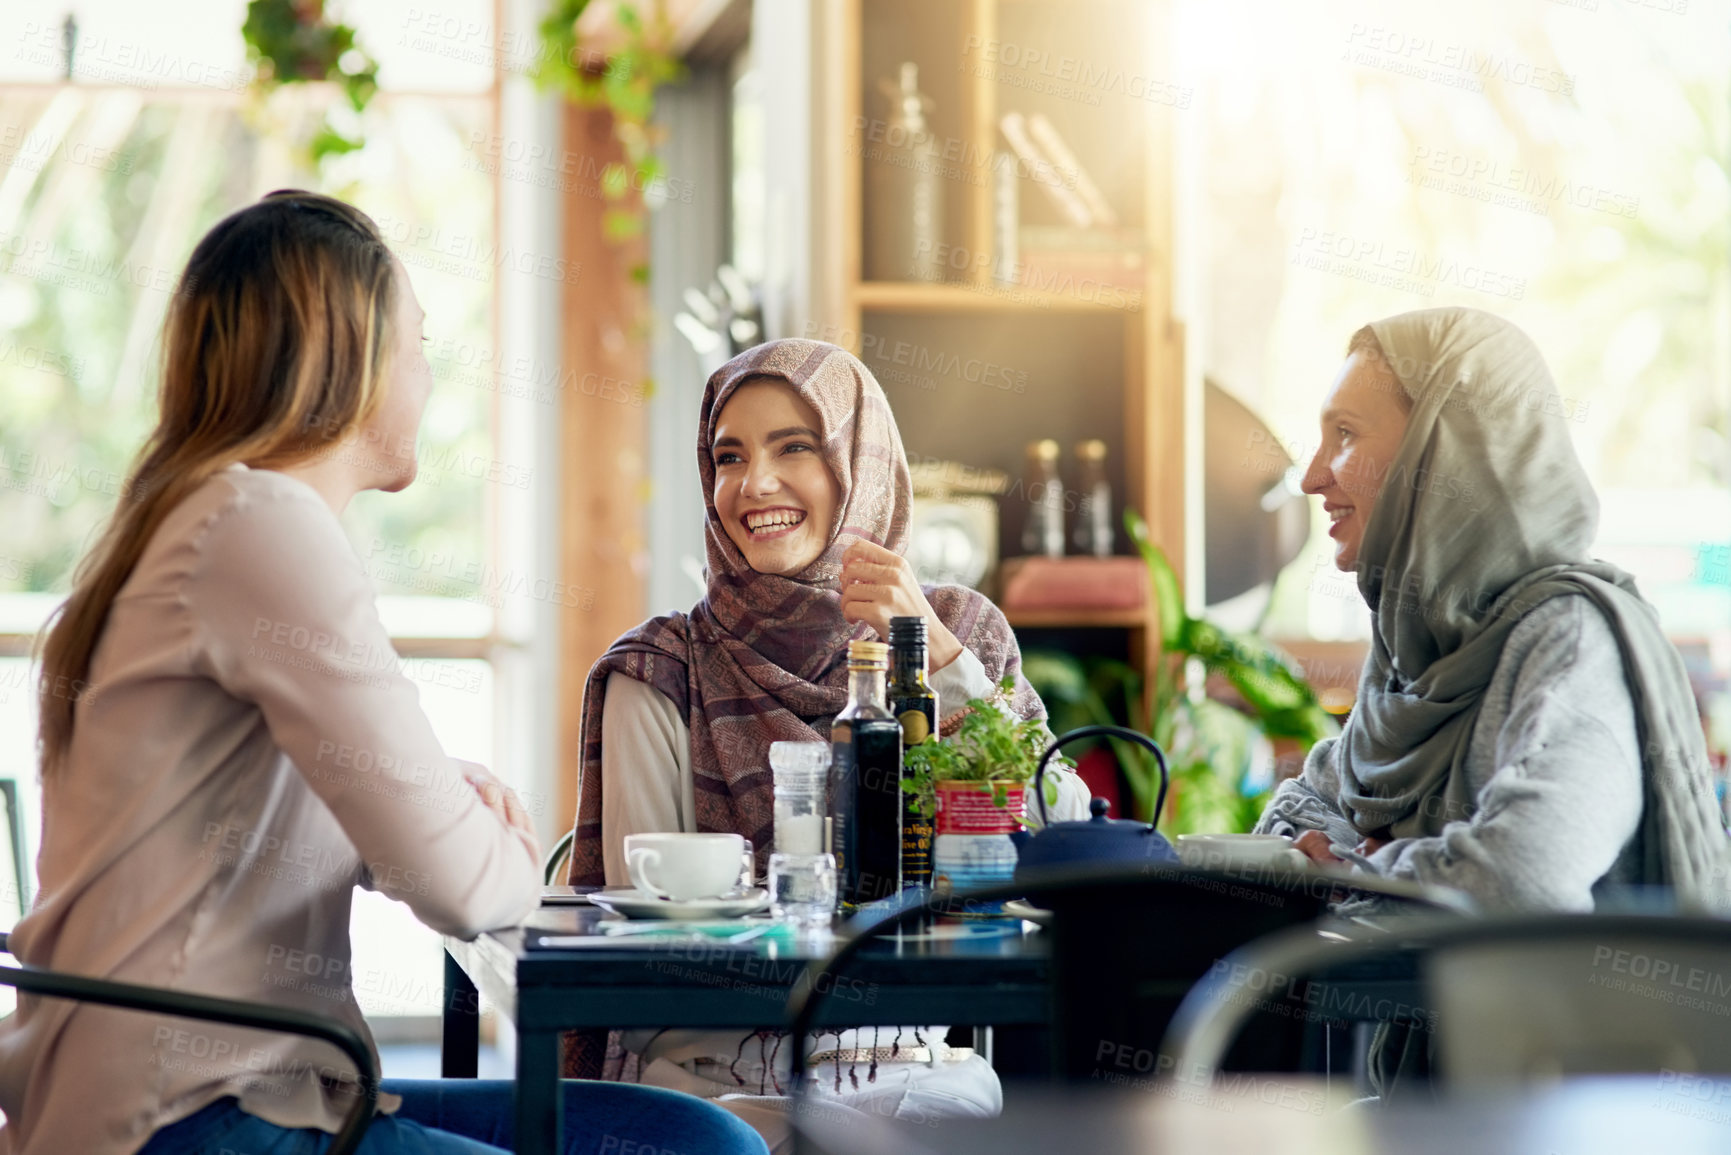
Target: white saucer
{"points": [[1027, 911], [633, 903]]}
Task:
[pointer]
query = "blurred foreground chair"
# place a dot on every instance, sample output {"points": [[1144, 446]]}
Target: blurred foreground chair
{"points": [[17, 897], [558, 860], [180, 1004], [1127, 945], [1510, 999]]}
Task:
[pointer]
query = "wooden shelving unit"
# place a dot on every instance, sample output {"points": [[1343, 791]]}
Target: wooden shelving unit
{"points": [[1077, 619], [1084, 368], [910, 297]]}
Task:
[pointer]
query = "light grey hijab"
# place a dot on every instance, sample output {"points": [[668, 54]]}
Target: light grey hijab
{"points": [[1486, 513]]}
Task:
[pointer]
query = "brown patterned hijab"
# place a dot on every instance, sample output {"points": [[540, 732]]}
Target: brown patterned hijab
{"points": [[762, 658]]}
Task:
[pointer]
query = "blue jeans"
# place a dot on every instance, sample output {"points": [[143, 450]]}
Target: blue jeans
{"points": [[473, 1117]]}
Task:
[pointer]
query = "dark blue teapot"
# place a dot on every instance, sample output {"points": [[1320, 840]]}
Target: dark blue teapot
{"points": [[1098, 839]]}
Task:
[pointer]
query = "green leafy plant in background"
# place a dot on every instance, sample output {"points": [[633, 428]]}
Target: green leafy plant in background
{"points": [[991, 745], [625, 84], [1211, 746], [292, 42]]}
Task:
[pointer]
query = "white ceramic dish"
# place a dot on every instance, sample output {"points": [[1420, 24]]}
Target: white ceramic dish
{"points": [[633, 903], [1027, 911]]}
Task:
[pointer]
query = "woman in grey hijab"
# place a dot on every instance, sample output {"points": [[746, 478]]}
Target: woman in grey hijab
{"points": [[1524, 731]]}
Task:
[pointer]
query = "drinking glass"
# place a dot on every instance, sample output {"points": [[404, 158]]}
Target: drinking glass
{"points": [[802, 888]]}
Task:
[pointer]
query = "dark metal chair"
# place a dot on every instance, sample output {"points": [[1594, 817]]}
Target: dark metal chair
{"points": [[180, 1004], [1511, 998], [1127, 945], [558, 860]]}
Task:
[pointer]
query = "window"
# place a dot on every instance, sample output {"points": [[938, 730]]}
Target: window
{"points": [[107, 180], [1562, 165]]}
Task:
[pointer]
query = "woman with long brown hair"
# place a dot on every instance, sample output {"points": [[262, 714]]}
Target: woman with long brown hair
{"points": [[229, 747]]}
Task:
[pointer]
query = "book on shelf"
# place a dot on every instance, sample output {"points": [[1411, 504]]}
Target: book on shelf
{"points": [[1015, 129], [1068, 167]]}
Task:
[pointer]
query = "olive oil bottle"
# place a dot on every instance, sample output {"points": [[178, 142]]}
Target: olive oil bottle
{"points": [[915, 705], [865, 776]]}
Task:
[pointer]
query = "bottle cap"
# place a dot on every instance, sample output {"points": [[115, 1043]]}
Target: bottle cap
{"points": [[790, 760], [1044, 450], [910, 630], [868, 655], [1091, 450]]}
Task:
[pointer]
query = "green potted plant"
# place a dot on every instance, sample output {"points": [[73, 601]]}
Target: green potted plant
{"points": [[972, 785], [1213, 747]]}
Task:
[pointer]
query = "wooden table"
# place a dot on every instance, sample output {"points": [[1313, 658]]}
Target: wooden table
{"points": [[995, 973]]}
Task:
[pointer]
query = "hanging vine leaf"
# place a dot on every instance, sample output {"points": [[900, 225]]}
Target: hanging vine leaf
{"points": [[624, 83], [291, 42]]}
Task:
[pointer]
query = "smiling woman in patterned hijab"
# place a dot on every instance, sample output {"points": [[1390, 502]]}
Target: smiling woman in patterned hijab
{"points": [[806, 487], [762, 658]]}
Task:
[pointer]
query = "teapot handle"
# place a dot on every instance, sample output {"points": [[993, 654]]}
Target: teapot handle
{"points": [[1123, 732]]}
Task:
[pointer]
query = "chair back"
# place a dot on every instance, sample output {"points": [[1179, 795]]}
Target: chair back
{"points": [[182, 1004], [16, 899], [1533, 1010], [1125, 952], [1128, 944], [1512, 1000], [558, 860]]}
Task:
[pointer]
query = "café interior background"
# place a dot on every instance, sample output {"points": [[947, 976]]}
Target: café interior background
{"points": [[1562, 163]]}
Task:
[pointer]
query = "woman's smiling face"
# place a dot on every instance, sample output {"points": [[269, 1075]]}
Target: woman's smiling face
{"points": [[1363, 422], [775, 496]]}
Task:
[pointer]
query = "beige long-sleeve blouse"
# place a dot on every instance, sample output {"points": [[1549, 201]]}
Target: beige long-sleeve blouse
{"points": [[246, 753]]}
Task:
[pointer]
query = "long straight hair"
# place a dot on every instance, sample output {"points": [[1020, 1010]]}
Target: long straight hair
{"points": [[274, 348]]}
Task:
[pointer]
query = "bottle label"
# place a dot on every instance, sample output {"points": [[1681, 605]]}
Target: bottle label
{"points": [[916, 727], [972, 811]]}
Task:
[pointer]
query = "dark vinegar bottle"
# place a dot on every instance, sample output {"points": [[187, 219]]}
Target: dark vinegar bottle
{"points": [[915, 705], [865, 771]]}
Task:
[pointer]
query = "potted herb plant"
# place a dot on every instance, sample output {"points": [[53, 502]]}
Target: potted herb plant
{"points": [[972, 785]]}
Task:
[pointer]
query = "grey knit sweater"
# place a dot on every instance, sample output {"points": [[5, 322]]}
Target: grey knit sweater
{"points": [[1555, 775]]}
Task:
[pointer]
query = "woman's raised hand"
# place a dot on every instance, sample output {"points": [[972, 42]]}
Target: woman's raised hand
{"points": [[878, 584]]}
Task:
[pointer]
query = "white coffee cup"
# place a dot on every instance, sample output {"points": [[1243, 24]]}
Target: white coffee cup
{"points": [[1225, 851], [682, 867]]}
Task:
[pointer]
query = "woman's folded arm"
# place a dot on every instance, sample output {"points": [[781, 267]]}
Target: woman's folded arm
{"points": [[285, 618], [1566, 796]]}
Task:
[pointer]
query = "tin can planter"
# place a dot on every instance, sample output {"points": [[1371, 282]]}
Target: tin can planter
{"points": [[972, 847]]}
